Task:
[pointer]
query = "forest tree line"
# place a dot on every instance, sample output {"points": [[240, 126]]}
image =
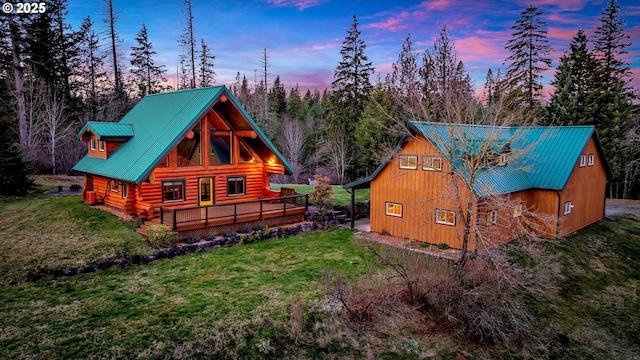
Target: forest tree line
{"points": [[57, 78]]}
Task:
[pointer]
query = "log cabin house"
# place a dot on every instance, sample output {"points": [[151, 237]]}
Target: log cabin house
{"points": [[503, 182], [192, 159]]}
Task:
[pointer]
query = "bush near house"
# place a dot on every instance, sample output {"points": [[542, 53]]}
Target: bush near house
{"points": [[161, 236]]}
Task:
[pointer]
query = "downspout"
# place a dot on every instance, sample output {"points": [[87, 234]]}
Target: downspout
{"points": [[558, 217]]}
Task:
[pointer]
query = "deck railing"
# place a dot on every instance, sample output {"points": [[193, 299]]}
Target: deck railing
{"points": [[269, 207]]}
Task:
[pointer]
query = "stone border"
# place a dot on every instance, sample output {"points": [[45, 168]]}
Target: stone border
{"points": [[124, 260]]}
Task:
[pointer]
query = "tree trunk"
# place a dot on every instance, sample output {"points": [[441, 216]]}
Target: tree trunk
{"points": [[19, 84]]}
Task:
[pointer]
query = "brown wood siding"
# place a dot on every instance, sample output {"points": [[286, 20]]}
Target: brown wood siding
{"points": [[586, 191], [542, 208], [420, 192]]}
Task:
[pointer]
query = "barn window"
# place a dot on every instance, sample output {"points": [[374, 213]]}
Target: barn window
{"points": [[236, 185], [113, 185], [445, 217], [93, 144], [173, 191], [591, 159], [431, 163], [409, 162], [393, 209], [503, 159], [492, 217], [583, 160], [567, 207], [101, 145], [124, 190], [517, 211]]}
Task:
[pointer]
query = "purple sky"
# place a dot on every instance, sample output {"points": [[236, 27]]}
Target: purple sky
{"points": [[303, 37]]}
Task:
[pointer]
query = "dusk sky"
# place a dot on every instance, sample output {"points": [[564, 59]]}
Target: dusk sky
{"points": [[303, 37]]}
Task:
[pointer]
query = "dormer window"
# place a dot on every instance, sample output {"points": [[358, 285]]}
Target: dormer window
{"points": [[93, 144], [101, 145], [503, 159]]}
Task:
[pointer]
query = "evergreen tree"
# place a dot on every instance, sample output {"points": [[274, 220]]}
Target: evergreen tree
{"points": [[147, 75], [404, 82], [529, 48], [90, 72], [351, 89], [610, 102], [15, 173], [573, 84], [351, 84], [188, 42], [489, 88], [206, 63]]}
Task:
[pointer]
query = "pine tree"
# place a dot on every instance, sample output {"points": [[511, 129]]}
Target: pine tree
{"points": [[529, 48], [147, 75], [206, 63], [405, 81], [489, 88], [90, 72], [15, 173], [573, 84], [351, 84], [610, 102], [111, 17], [351, 89], [187, 41]]}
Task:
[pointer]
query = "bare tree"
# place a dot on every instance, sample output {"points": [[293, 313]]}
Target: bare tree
{"points": [[54, 120], [337, 151], [292, 141], [111, 17]]}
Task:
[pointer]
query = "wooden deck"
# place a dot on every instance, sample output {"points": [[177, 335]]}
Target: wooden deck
{"points": [[245, 212]]}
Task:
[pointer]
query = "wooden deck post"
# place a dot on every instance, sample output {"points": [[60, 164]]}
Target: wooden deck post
{"points": [[260, 209], [174, 226], [353, 204], [306, 202], [161, 215]]}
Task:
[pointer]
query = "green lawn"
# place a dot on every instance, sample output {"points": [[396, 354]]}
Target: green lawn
{"points": [[182, 307], [57, 232], [340, 195], [241, 302]]}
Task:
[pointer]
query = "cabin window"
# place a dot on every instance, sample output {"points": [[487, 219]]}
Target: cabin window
{"points": [[101, 145], [113, 185], [408, 162], [503, 159], [583, 160], [445, 217], [173, 191], [567, 207], [124, 190], [245, 154], [393, 209], [164, 162], [431, 163], [236, 185], [591, 159], [220, 152], [93, 144], [189, 148], [517, 211], [492, 217]]}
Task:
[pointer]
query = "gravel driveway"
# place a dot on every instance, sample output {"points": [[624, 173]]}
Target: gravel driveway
{"points": [[615, 206]]}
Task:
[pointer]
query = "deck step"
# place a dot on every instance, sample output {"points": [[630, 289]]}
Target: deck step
{"points": [[145, 226]]}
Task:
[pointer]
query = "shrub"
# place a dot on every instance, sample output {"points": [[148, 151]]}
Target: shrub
{"points": [[322, 194], [246, 229], [210, 237], [442, 246], [162, 236]]}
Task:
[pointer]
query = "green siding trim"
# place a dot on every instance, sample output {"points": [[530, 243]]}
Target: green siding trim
{"points": [[158, 123]]}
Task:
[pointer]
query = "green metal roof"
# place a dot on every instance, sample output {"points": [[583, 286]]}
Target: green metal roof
{"points": [[541, 157], [105, 130], [159, 122]]}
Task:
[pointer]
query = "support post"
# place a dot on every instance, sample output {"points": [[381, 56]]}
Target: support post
{"points": [[353, 205], [174, 225]]}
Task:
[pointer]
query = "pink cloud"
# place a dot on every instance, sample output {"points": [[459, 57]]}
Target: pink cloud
{"points": [[300, 4], [392, 24], [436, 4], [561, 33], [319, 47]]}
